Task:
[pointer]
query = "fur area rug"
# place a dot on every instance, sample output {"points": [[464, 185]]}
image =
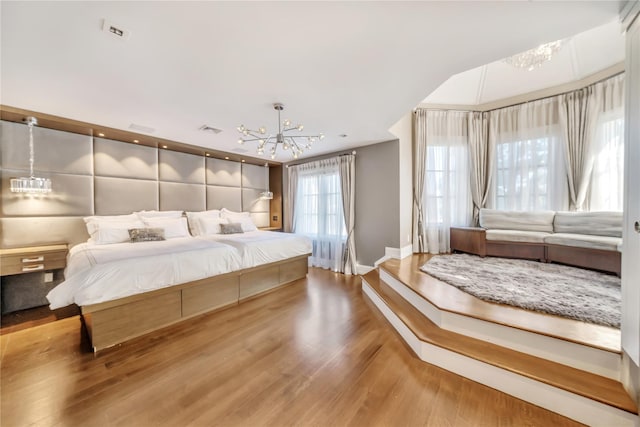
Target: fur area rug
{"points": [[561, 290]]}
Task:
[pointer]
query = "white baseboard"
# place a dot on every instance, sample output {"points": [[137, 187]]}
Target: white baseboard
{"points": [[363, 269], [395, 253]]}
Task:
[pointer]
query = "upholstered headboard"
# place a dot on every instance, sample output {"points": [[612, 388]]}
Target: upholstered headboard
{"points": [[98, 176]]}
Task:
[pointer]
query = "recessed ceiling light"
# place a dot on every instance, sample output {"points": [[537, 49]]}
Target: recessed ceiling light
{"points": [[207, 154], [101, 134], [226, 157], [242, 160], [136, 141], [343, 135], [164, 146]]}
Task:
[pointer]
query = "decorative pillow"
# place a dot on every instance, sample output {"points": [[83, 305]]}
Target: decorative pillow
{"points": [[231, 228], [193, 219], [107, 232], [146, 235], [173, 227], [159, 214], [210, 225]]}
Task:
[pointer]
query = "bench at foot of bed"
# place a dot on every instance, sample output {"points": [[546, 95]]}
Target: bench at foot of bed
{"points": [[113, 322]]}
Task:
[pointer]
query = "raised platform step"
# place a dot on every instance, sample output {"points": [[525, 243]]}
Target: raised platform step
{"points": [[580, 395], [576, 344]]}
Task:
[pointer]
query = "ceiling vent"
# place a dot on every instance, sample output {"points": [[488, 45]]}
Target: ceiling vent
{"points": [[140, 128], [207, 128], [115, 30]]}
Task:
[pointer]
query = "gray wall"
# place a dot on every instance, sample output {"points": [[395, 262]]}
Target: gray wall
{"points": [[377, 199], [98, 176]]}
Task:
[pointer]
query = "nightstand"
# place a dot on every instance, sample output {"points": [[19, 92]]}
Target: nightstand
{"points": [[27, 274], [33, 258], [468, 239]]}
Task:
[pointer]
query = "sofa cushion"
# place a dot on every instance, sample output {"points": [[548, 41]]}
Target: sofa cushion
{"points": [[589, 241], [596, 223], [493, 219], [516, 236]]}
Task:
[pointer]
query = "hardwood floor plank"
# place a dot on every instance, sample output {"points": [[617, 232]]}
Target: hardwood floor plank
{"points": [[313, 353]]}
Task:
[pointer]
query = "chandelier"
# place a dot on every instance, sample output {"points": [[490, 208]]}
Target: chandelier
{"points": [[534, 58], [285, 138], [31, 184]]}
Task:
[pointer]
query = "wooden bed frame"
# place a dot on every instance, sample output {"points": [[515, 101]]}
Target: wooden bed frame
{"points": [[113, 322]]}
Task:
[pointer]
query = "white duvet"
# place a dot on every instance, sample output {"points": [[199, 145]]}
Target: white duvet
{"points": [[99, 273], [262, 247]]}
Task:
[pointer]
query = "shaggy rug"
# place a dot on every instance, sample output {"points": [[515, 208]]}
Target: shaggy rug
{"points": [[565, 291]]}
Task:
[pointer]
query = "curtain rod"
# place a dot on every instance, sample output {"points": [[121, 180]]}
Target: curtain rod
{"points": [[353, 153]]}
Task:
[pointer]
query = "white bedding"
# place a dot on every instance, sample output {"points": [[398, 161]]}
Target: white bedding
{"points": [[99, 273], [262, 247]]}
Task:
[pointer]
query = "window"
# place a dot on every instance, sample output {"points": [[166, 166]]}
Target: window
{"points": [[529, 174], [607, 178], [318, 212], [319, 205]]}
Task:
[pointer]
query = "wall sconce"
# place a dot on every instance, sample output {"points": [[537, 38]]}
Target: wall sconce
{"points": [[266, 195], [31, 184]]}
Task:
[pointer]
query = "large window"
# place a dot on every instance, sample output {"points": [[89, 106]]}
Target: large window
{"points": [[529, 175], [319, 214], [319, 210]]}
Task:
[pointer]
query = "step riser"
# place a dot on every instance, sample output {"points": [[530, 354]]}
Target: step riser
{"points": [[573, 406], [590, 359]]}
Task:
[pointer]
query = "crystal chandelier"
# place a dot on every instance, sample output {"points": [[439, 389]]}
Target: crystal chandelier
{"points": [[534, 58], [31, 184], [288, 141]]}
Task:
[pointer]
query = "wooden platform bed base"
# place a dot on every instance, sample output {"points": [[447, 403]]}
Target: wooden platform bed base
{"points": [[113, 322]]}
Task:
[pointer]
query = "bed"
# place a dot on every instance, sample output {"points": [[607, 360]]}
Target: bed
{"points": [[128, 289]]}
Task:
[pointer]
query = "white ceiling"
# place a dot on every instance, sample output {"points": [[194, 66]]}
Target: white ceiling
{"points": [[582, 55], [339, 67]]}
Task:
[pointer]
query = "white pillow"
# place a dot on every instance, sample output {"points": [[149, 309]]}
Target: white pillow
{"points": [[159, 214], [244, 218], [210, 225], [246, 223], [173, 227], [107, 232], [233, 215], [92, 222], [193, 219]]}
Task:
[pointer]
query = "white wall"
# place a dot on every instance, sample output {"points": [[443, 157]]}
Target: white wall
{"points": [[403, 130]]}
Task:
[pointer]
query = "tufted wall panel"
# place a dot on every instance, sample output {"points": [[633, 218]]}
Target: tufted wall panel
{"points": [[98, 176]]}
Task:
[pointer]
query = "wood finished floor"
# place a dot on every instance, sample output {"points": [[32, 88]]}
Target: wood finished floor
{"points": [[313, 353], [451, 299]]}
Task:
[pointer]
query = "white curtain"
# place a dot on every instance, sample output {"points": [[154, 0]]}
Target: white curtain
{"points": [[446, 197], [608, 147], [318, 212], [292, 189], [529, 169], [347, 170]]}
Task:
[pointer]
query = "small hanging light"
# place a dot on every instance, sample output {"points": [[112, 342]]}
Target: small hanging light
{"points": [[266, 194], [31, 185]]}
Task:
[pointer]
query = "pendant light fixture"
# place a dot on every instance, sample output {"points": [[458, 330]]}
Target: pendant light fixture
{"points": [[285, 138], [31, 185]]}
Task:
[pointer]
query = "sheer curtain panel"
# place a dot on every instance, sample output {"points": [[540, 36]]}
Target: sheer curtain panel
{"points": [[480, 162], [529, 169], [419, 169], [318, 211], [446, 197]]}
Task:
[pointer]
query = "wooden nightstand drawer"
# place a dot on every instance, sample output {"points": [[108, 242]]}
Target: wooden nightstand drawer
{"points": [[28, 260]]}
